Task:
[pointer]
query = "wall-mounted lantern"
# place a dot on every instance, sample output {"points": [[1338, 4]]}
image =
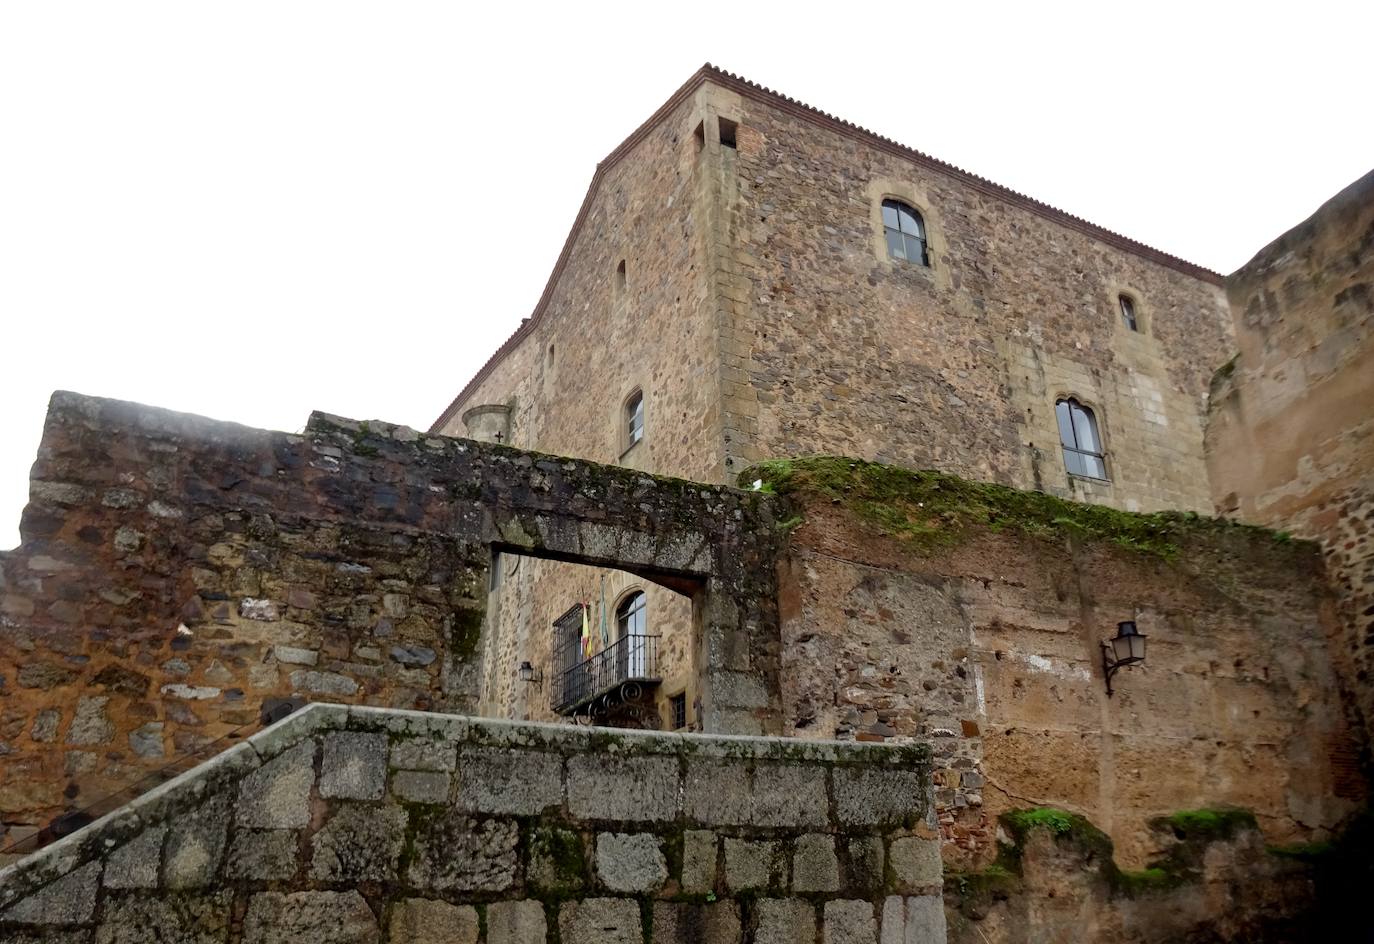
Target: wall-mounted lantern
{"points": [[528, 673], [1126, 648]]}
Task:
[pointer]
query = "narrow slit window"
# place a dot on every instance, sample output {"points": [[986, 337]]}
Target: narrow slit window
{"points": [[1128, 312], [700, 135], [727, 132], [620, 276], [677, 711], [905, 232], [1079, 438], [634, 418]]}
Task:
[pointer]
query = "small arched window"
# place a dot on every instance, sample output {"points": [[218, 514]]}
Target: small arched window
{"points": [[1128, 312], [634, 418], [906, 233], [1078, 435], [631, 616]]}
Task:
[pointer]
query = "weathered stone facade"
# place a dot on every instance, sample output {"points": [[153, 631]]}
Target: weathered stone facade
{"points": [[1290, 436], [315, 831], [761, 316], [744, 289], [177, 575], [921, 608]]}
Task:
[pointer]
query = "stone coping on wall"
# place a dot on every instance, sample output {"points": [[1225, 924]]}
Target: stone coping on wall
{"points": [[770, 833]]}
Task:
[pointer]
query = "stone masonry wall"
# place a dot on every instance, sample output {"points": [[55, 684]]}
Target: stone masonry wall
{"points": [[986, 645], [178, 574], [842, 351], [1290, 436], [359, 825]]}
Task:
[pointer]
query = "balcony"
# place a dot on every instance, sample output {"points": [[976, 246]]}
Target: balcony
{"points": [[613, 687]]}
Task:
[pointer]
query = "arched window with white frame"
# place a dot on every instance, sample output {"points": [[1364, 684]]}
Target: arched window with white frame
{"points": [[1080, 439]]}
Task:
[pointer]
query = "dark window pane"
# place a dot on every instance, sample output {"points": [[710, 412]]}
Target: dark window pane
{"points": [[894, 245], [911, 222], [915, 249], [1061, 413], [890, 214], [1085, 429], [1128, 313]]}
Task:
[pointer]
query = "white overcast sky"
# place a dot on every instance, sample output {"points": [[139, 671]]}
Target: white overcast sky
{"points": [[251, 210]]}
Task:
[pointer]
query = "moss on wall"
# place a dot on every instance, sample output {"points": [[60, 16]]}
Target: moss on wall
{"points": [[928, 510]]}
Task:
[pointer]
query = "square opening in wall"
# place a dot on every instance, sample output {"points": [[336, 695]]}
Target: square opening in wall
{"points": [[727, 132]]}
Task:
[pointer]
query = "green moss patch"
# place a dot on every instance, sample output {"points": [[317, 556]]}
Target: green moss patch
{"points": [[1207, 825], [929, 510]]}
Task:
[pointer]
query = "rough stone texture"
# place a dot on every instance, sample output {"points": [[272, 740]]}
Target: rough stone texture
{"points": [[698, 861], [263, 855], [630, 863], [521, 783], [600, 921], [816, 868], [516, 922], [317, 917], [988, 651], [135, 864], [915, 863], [195, 845], [455, 852], [849, 922], [69, 900], [623, 789], [165, 918], [354, 766], [359, 843], [421, 786], [784, 921], [716, 923], [184, 573], [423, 755], [277, 795], [751, 864], [422, 921], [1290, 432]]}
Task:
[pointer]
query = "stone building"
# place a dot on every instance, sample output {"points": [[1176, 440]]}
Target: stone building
{"points": [[1014, 403], [750, 278]]}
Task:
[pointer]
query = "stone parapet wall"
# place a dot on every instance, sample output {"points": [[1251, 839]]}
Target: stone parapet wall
{"points": [[360, 825], [177, 575]]}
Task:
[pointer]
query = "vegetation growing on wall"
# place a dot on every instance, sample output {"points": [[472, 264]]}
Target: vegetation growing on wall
{"points": [[929, 509]]}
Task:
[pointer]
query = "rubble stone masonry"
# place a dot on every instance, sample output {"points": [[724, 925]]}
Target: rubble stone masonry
{"points": [[178, 575], [1290, 436]]}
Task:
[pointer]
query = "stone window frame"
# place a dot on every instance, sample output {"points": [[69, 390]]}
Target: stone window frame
{"points": [[914, 196], [1100, 421], [1144, 315]]}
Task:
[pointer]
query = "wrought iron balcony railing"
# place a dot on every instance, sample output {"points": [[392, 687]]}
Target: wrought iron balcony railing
{"points": [[614, 672]]}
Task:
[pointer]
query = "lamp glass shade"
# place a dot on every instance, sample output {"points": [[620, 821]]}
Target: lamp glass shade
{"points": [[526, 672], [1128, 646]]}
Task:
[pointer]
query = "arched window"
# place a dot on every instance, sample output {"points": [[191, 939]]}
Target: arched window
{"points": [[633, 647], [634, 418], [906, 232], [1078, 435], [1128, 312], [631, 616]]}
